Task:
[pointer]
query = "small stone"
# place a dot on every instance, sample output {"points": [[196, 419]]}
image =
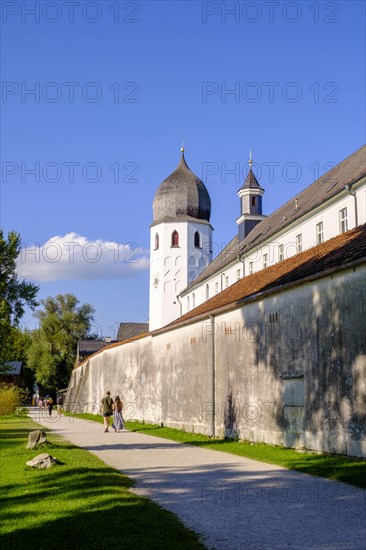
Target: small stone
{"points": [[36, 438], [42, 461]]}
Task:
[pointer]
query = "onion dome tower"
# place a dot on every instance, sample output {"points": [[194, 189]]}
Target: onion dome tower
{"points": [[250, 195], [182, 196], [181, 241]]}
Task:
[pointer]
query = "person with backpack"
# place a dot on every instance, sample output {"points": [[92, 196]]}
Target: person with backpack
{"points": [[106, 409]]}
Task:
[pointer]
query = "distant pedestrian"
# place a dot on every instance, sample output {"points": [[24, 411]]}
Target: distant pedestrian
{"points": [[106, 409], [50, 406], [118, 423], [60, 402], [40, 403]]}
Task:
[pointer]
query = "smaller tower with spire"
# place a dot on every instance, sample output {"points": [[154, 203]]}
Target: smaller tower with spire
{"points": [[250, 195]]}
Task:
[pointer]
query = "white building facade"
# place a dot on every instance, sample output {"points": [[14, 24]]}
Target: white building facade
{"points": [[182, 273], [304, 225]]}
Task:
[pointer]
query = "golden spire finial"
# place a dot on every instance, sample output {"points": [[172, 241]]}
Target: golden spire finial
{"points": [[250, 158], [182, 148]]}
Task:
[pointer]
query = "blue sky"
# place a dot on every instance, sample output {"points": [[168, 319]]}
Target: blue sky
{"points": [[118, 85]]}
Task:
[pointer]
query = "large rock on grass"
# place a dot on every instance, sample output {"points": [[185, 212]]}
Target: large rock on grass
{"points": [[42, 461], [36, 438]]}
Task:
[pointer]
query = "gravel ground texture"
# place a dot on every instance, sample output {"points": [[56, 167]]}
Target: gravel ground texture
{"points": [[233, 502]]}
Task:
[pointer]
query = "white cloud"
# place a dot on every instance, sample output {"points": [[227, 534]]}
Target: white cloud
{"points": [[75, 257]]}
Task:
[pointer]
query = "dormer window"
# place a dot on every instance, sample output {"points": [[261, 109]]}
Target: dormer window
{"points": [[197, 241], [175, 238], [156, 241]]}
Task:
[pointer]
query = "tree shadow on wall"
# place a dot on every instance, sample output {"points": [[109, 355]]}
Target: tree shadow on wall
{"points": [[322, 339], [230, 417]]}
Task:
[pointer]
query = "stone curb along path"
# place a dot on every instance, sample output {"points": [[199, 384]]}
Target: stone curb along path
{"points": [[233, 502]]}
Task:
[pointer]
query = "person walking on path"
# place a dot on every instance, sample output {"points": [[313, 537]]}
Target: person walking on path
{"points": [[118, 423], [106, 409], [60, 402], [50, 406]]}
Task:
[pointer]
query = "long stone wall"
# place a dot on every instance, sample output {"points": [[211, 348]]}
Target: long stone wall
{"points": [[286, 369]]}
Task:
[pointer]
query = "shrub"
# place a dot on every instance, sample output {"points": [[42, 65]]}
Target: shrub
{"points": [[10, 399]]}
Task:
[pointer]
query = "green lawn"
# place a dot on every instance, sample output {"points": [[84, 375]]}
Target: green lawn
{"points": [[340, 468], [79, 503]]}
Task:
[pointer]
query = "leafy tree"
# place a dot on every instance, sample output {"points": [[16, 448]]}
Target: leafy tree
{"points": [[15, 294], [19, 342], [53, 350]]}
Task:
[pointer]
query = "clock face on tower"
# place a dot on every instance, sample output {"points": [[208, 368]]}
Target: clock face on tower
{"points": [[155, 280]]}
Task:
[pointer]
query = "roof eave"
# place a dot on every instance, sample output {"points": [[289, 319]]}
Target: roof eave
{"points": [[262, 294]]}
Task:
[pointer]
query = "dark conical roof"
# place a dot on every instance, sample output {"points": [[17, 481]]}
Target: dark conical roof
{"points": [[182, 197], [251, 182]]}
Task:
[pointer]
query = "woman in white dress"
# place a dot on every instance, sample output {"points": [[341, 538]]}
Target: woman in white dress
{"points": [[118, 423]]}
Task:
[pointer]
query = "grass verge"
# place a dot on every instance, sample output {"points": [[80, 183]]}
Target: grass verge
{"points": [[339, 468], [78, 503]]}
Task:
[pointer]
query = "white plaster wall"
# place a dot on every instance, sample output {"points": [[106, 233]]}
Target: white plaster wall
{"points": [[234, 369], [126, 370], [319, 333], [184, 358]]}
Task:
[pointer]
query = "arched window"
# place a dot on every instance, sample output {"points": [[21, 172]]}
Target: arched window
{"points": [[188, 308], [193, 300], [175, 238], [156, 241], [207, 292], [197, 243]]}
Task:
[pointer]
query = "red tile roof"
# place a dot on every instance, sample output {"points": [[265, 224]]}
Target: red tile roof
{"points": [[335, 253]]}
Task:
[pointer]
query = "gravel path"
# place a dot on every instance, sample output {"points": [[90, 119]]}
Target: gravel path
{"points": [[234, 502]]}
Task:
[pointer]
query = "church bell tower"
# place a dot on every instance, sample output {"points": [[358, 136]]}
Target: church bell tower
{"points": [[180, 241]]}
